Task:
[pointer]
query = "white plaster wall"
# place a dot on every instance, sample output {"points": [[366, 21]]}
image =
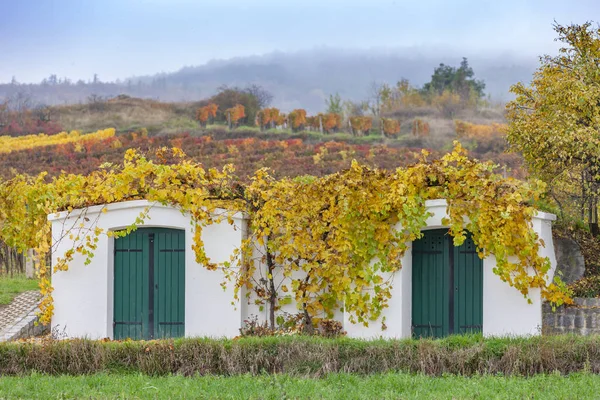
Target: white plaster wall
{"points": [[398, 316], [505, 310], [83, 295], [250, 309]]}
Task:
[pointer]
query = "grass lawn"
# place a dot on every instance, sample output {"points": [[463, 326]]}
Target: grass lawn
{"points": [[11, 287], [335, 386]]}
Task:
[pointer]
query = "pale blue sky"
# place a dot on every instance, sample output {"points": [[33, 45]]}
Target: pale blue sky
{"points": [[121, 38]]}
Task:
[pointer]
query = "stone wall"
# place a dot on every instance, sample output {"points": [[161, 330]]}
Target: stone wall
{"points": [[582, 318], [26, 327], [570, 265]]}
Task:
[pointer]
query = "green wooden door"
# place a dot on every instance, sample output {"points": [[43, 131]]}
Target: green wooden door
{"points": [[169, 300], [468, 282], [431, 285], [131, 284], [447, 286], [149, 284]]}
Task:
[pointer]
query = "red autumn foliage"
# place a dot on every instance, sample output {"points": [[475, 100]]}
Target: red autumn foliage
{"points": [[291, 157]]}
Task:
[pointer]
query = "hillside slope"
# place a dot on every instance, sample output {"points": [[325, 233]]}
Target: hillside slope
{"points": [[297, 80], [149, 124]]}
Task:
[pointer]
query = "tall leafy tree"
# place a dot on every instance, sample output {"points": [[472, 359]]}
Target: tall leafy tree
{"points": [[456, 80], [555, 121], [230, 97]]}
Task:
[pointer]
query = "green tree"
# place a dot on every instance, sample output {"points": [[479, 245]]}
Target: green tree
{"points": [[334, 104], [555, 122], [229, 97], [456, 80]]}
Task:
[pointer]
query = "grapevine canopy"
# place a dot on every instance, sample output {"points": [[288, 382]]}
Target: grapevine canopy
{"points": [[336, 237]]}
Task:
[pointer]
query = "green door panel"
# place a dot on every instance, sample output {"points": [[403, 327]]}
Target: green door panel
{"points": [[468, 280], [149, 284], [431, 282], [169, 306], [131, 281], [447, 286]]}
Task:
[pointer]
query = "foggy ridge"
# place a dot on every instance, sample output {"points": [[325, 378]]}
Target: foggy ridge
{"points": [[297, 80]]}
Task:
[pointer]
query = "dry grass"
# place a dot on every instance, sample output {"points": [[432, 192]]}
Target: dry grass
{"points": [[125, 114], [442, 129], [306, 356]]}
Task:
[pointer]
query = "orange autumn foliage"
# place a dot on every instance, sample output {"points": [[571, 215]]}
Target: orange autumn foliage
{"points": [[361, 125], [331, 121], [236, 113], [391, 127], [479, 131], [420, 128], [203, 114], [268, 116], [297, 119]]}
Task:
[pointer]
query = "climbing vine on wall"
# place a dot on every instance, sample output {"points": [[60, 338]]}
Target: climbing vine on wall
{"points": [[332, 240]]}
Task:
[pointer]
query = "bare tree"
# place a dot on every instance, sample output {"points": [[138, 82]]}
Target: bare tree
{"points": [[263, 96], [375, 98], [20, 101], [43, 112], [4, 113], [354, 109], [96, 102]]}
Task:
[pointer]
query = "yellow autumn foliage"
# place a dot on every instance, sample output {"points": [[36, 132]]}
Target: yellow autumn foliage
{"points": [[15, 143], [480, 132], [554, 122], [336, 238]]}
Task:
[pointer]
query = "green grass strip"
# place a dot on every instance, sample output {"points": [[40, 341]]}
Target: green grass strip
{"points": [[334, 386], [11, 287]]}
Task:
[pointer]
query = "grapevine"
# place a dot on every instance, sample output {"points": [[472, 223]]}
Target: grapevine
{"points": [[336, 238]]}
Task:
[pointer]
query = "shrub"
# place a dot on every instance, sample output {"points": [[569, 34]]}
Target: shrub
{"points": [[586, 287], [331, 328], [253, 327], [306, 356], [290, 324]]}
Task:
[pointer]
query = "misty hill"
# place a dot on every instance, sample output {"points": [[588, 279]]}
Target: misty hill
{"points": [[297, 80]]}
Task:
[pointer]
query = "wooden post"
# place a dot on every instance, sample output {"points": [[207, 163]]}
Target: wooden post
{"points": [[30, 264]]}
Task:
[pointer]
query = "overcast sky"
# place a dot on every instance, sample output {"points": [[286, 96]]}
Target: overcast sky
{"points": [[121, 38]]}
